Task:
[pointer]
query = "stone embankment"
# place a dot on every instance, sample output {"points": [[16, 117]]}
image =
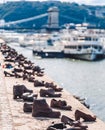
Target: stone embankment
{"points": [[12, 116]]}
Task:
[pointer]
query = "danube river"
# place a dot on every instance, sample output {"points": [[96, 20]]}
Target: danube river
{"points": [[82, 78]]}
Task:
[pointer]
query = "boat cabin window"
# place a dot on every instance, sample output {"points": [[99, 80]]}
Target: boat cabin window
{"points": [[95, 47], [50, 42], [79, 47], [70, 47], [85, 47], [88, 38], [91, 39], [100, 48], [95, 39]]}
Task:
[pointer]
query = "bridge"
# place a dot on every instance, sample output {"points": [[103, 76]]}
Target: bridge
{"points": [[53, 20]]}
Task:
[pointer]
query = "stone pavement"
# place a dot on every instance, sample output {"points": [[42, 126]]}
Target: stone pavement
{"points": [[6, 122]]}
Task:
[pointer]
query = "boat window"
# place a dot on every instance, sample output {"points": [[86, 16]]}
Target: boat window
{"points": [[100, 48], [95, 47], [50, 42], [95, 39], [85, 47], [88, 38], [79, 47], [71, 47]]}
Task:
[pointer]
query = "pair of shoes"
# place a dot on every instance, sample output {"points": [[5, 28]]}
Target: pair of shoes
{"points": [[51, 85], [31, 79], [48, 93], [18, 91], [38, 83], [87, 117], [57, 126], [60, 104], [42, 109], [40, 74], [76, 125], [8, 74], [67, 120], [17, 75]]}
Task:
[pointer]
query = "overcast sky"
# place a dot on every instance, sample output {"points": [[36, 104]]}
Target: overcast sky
{"points": [[89, 2]]}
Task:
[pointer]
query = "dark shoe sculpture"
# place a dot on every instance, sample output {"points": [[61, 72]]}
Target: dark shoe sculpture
{"points": [[57, 126], [53, 86], [67, 120], [48, 93], [17, 75], [38, 83], [76, 125], [27, 107], [87, 117], [8, 74], [40, 74], [42, 109], [18, 90], [60, 104], [31, 79]]}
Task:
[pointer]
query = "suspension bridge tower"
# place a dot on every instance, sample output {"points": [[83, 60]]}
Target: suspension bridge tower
{"points": [[53, 18]]}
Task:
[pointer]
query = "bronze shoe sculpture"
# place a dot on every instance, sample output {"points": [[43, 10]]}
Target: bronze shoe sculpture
{"points": [[49, 93], [8, 74], [57, 126], [53, 86], [31, 79], [67, 120], [42, 109], [87, 117], [76, 125], [60, 104], [18, 90], [38, 83]]}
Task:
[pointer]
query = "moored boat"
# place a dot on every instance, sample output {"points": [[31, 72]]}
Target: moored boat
{"points": [[89, 52], [49, 47], [83, 43]]}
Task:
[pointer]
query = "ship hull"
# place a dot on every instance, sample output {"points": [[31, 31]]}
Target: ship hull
{"points": [[86, 56], [49, 54], [61, 54]]}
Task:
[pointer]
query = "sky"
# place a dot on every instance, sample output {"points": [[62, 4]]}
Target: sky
{"points": [[88, 2]]}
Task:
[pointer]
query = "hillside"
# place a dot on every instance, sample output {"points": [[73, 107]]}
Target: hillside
{"points": [[69, 13]]}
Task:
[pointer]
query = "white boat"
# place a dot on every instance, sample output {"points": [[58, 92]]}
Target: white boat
{"points": [[48, 49], [83, 44], [82, 51], [26, 40]]}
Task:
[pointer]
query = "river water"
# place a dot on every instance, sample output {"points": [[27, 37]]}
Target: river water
{"points": [[82, 78]]}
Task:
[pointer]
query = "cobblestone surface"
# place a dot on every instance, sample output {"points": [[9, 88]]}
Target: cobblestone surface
{"points": [[6, 122]]}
